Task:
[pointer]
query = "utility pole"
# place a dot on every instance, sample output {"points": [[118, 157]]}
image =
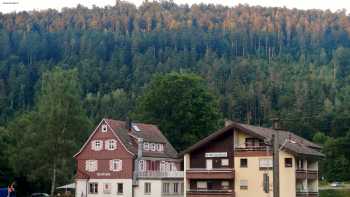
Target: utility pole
{"points": [[275, 157]]}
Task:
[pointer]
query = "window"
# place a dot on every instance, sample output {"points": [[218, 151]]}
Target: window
{"points": [[176, 188], [107, 188], [97, 145], [111, 144], [93, 188], [243, 184], [142, 165], [116, 165], [300, 164], [104, 128], [288, 162], [120, 188], [253, 142], [91, 165], [224, 162], [201, 185], [225, 184], [146, 146], [152, 147], [244, 163], [265, 164], [147, 188], [166, 187], [160, 148]]}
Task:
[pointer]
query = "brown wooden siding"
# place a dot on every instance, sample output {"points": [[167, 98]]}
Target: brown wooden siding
{"points": [[312, 175], [210, 174], [222, 144], [252, 153], [300, 174]]}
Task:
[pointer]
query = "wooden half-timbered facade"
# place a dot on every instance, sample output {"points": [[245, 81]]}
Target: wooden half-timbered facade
{"points": [[128, 159]]}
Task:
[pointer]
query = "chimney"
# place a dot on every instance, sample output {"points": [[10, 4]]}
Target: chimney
{"points": [[276, 123], [139, 148], [128, 124], [228, 122]]}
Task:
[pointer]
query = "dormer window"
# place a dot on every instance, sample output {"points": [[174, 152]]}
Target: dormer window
{"points": [[160, 147], [152, 147], [97, 145], [104, 128], [146, 146], [111, 144]]}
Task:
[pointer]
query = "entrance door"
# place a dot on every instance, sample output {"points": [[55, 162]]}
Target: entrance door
{"points": [[209, 164]]}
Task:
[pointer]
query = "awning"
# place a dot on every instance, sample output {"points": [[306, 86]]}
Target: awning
{"points": [[68, 186]]}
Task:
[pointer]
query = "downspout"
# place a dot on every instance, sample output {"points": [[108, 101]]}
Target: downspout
{"points": [[136, 163]]}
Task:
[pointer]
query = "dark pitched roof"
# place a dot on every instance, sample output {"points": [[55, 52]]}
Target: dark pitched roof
{"points": [[149, 133], [301, 146]]}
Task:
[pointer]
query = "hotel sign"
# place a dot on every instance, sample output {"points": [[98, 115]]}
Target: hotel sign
{"points": [[217, 154], [103, 174]]}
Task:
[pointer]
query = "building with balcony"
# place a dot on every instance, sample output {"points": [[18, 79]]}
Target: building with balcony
{"points": [[128, 159], [236, 161]]}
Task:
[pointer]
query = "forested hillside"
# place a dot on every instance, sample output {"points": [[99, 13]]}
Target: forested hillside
{"points": [[260, 62]]}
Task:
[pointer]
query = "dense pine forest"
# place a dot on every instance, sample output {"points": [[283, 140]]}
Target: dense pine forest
{"points": [[259, 63]]}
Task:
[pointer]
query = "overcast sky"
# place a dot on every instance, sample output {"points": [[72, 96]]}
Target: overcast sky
{"points": [[19, 5]]}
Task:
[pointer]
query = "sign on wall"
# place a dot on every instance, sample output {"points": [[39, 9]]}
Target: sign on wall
{"points": [[265, 163], [218, 154]]}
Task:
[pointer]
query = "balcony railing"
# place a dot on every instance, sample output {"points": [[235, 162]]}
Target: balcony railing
{"points": [[210, 191], [215, 173], [308, 193], [306, 174], [251, 148], [159, 174]]}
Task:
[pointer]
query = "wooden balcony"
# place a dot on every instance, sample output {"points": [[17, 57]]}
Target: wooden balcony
{"points": [[210, 193], [302, 194], [216, 173], [246, 151], [300, 174], [306, 174], [159, 174], [307, 194], [312, 174]]}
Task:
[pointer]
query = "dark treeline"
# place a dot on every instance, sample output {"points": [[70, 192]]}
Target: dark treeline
{"points": [[261, 62]]}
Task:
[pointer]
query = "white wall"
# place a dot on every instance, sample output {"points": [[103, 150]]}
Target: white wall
{"points": [[156, 188], [127, 187]]}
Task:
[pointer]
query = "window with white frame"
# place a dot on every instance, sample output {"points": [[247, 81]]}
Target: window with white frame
{"points": [[160, 147], [243, 184], [107, 188], [224, 162], [91, 165], [146, 146], [152, 147], [97, 145], [111, 144], [93, 188], [148, 188], [116, 165], [176, 188], [166, 188], [120, 189], [142, 165], [104, 128]]}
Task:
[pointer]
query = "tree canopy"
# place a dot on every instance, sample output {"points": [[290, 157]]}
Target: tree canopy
{"points": [[259, 62], [183, 107]]}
